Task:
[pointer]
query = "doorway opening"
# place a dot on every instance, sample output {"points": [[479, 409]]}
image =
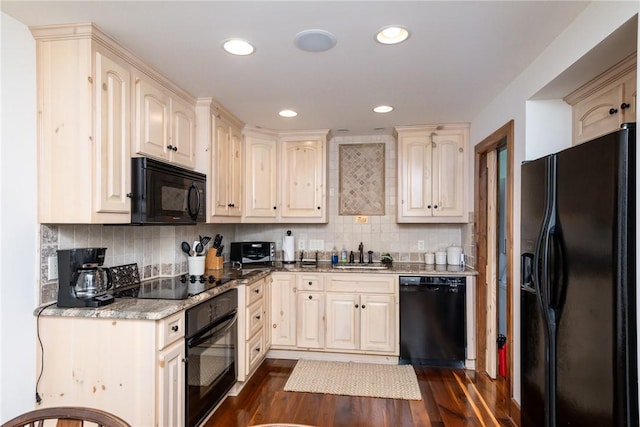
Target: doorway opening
{"points": [[494, 237]]}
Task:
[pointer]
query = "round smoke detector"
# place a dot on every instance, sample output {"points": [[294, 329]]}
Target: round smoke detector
{"points": [[315, 40]]}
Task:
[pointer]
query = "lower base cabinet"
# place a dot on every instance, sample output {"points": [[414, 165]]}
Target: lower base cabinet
{"points": [[252, 342], [132, 368], [346, 313]]}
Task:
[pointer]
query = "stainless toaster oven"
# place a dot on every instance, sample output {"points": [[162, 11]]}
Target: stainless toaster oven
{"points": [[253, 252]]}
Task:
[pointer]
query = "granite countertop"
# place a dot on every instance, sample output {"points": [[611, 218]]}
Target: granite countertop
{"points": [[400, 268], [156, 309]]}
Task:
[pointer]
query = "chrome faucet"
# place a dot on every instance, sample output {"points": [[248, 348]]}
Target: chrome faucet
{"points": [[361, 250]]}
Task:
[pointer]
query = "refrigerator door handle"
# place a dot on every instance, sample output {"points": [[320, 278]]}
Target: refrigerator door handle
{"points": [[558, 280]]}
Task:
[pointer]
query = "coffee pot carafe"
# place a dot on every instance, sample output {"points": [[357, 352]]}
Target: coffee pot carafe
{"points": [[92, 282], [82, 282]]}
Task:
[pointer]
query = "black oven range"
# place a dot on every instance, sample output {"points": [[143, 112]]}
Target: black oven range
{"points": [[170, 288]]}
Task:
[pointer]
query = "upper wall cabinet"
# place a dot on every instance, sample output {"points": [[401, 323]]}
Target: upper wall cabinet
{"points": [[219, 132], [84, 127], [432, 173], [285, 176], [303, 186], [86, 121], [604, 103], [164, 124]]}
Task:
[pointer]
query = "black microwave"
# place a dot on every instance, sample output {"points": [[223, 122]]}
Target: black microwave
{"points": [[166, 194]]}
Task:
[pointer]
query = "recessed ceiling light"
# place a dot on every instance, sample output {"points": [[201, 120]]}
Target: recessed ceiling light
{"points": [[383, 109], [314, 40], [392, 34], [288, 113], [238, 47]]}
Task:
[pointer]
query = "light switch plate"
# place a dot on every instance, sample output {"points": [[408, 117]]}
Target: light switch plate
{"points": [[421, 245], [301, 245], [52, 268]]}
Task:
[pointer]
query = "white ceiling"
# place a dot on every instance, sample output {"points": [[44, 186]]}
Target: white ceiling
{"points": [[459, 56]]}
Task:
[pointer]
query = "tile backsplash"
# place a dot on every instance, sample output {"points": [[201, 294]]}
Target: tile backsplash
{"points": [[156, 249]]}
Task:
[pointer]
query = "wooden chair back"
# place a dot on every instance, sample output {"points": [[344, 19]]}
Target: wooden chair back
{"points": [[67, 417]]}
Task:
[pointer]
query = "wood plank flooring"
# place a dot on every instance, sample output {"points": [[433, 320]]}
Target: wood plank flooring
{"points": [[450, 398]]}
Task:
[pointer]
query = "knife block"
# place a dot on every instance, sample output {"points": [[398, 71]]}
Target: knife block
{"points": [[213, 262]]}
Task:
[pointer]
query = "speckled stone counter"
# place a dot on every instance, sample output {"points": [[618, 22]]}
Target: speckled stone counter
{"points": [[400, 268], [155, 309]]}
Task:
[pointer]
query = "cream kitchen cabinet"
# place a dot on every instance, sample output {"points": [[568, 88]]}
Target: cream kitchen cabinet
{"points": [[604, 103], [84, 137], [285, 176], [85, 364], [283, 310], [303, 187], [164, 123], [227, 160], [361, 314], [252, 346], [432, 173], [260, 177], [310, 327]]}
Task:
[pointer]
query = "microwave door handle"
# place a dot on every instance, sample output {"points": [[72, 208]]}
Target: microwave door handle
{"points": [[193, 215]]}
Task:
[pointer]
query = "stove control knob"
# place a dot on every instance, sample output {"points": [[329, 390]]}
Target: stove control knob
{"points": [[202, 279], [183, 278], [212, 279], [192, 279]]}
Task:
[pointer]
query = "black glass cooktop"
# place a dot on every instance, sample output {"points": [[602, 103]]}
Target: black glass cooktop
{"points": [[174, 288]]}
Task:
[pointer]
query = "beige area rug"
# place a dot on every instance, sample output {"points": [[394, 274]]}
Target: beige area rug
{"points": [[355, 379]]}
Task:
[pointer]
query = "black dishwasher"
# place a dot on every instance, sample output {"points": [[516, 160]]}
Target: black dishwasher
{"points": [[432, 321]]}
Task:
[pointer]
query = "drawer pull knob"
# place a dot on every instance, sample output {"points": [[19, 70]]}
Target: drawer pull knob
{"points": [[310, 297], [257, 291], [310, 283], [356, 305], [612, 111], [258, 317], [624, 106], [174, 328], [363, 306]]}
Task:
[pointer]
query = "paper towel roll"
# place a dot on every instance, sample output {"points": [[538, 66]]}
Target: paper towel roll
{"points": [[288, 249]]}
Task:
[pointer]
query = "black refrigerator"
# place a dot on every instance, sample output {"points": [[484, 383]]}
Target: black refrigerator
{"points": [[578, 285]]}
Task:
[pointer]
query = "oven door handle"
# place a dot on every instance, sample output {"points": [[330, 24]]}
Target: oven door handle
{"points": [[199, 339]]}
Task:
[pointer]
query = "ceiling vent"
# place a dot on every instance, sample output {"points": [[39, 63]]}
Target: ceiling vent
{"points": [[315, 40]]}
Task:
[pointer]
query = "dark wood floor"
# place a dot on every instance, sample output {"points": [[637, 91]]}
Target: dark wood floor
{"points": [[450, 397]]}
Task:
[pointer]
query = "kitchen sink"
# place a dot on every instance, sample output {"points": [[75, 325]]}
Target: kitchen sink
{"points": [[361, 267]]}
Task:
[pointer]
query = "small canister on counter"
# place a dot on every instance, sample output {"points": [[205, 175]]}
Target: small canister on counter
{"points": [[429, 258], [454, 253], [441, 257]]}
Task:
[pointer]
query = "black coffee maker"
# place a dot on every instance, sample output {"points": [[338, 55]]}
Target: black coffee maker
{"points": [[82, 282]]}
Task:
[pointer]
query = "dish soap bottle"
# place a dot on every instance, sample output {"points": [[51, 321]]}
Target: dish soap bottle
{"points": [[343, 255], [334, 256]]}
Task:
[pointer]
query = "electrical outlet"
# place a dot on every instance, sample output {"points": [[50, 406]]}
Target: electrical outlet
{"points": [[301, 245], [421, 245], [52, 270]]}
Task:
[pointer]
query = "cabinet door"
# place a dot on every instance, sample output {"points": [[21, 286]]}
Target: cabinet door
{"points": [[113, 136], [630, 98], [448, 174], [378, 323], [221, 165], [234, 176], [598, 114], [152, 119], [283, 310], [171, 386], [303, 179], [310, 325], [415, 175], [260, 181], [343, 321], [182, 140]]}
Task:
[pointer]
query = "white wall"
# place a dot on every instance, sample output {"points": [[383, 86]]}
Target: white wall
{"points": [[18, 228], [548, 127], [597, 21]]}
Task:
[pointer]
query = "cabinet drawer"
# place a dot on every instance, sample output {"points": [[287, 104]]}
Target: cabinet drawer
{"points": [[170, 329], [255, 352], [255, 318], [256, 290], [310, 282], [349, 282]]}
